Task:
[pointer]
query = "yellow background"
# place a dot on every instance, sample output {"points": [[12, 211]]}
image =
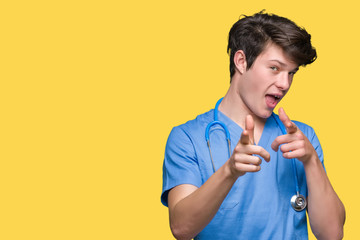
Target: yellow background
{"points": [[91, 89]]}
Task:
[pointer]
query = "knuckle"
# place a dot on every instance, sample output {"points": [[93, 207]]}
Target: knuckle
{"points": [[255, 150], [239, 158], [238, 167], [236, 157], [258, 150], [265, 154], [283, 148], [238, 148], [298, 135], [302, 152]]}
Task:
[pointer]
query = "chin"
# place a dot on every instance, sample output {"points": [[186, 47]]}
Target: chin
{"points": [[265, 114]]}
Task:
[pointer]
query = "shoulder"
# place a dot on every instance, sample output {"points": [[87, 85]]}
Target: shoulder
{"points": [[184, 137], [193, 127]]}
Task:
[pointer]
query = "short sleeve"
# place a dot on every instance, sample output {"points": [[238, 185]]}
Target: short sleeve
{"points": [[316, 144], [180, 163], [311, 135]]}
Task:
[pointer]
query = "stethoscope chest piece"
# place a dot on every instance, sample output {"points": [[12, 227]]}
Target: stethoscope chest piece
{"points": [[298, 202]]}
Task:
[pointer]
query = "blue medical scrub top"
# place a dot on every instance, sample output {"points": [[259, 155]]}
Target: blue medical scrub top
{"points": [[258, 205]]}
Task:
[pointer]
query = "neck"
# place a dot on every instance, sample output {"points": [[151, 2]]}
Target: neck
{"points": [[233, 107]]}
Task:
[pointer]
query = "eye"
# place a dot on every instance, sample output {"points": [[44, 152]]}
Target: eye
{"points": [[274, 68]]}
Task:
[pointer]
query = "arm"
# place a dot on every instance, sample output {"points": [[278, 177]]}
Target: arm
{"points": [[326, 211], [192, 208]]}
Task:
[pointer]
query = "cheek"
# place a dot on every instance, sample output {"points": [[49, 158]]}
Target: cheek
{"points": [[249, 86], [262, 75], [259, 81]]}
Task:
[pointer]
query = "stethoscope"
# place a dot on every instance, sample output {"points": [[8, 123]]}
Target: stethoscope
{"points": [[298, 201]]}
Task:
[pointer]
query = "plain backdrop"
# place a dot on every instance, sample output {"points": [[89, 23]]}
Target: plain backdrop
{"points": [[90, 91]]}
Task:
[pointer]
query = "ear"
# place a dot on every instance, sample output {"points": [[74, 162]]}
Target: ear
{"points": [[240, 61]]}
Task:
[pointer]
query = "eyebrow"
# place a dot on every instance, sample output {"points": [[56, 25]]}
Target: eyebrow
{"points": [[283, 64], [295, 69]]}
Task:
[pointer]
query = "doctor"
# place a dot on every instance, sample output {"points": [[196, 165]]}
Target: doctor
{"points": [[246, 195]]}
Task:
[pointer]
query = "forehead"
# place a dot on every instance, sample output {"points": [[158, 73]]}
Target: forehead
{"points": [[274, 53]]}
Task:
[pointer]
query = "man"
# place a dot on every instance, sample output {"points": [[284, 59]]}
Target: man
{"points": [[213, 194]]}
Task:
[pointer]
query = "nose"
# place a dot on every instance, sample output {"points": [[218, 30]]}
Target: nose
{"points": [[283, 81]]}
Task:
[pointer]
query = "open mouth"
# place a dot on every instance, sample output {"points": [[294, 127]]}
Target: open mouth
{"points": [[272, 100]]}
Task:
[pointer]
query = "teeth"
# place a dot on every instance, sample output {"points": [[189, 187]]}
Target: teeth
{"points": [[276, 96]]}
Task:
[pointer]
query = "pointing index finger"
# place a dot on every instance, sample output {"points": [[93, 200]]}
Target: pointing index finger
{"points": [[245, 139], [290, 126], [249, 127]]}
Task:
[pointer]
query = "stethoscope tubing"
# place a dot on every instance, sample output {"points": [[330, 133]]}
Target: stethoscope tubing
{"points": [[283, 130], [298, 201]]}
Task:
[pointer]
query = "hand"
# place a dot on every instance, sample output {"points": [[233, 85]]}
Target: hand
{"points": [[242, 159], [295, 143]]}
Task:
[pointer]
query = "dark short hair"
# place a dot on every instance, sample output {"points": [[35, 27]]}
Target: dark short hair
{"points": [[251, 34]]}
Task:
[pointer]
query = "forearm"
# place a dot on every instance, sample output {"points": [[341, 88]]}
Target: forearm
{"points": [[326, 211], [191, 214]]}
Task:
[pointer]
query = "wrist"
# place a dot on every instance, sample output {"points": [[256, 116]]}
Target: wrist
{"points": [[230, 172], [311, 161]]}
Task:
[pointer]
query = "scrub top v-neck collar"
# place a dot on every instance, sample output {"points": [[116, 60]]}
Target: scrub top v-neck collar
{"points": [[234, 127]]}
